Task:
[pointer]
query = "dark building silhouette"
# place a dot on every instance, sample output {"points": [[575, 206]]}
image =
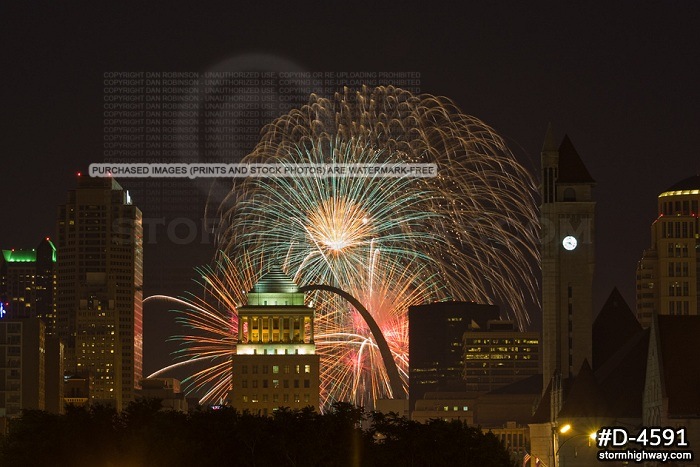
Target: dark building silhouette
{"points": [[22, 366], [435, 344]]}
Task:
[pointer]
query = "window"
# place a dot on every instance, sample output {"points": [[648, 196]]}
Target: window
{"points": [[244, 383], [244, 369], [296, 398], [265, 369], [296, 383], [245, 398], [255, 369], [286, 384], [286, 369], [307, 398], [286, 397], [297, 369], [307, 369], [264, 383], [307, 383], [275, 369], [275, 398], [275, 383], [255, 383]]}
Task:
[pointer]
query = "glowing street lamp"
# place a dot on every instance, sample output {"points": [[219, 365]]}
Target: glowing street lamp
{"points": [[563, 430]]}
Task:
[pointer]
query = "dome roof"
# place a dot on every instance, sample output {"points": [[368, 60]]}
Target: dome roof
{"points": [[690, 183], [275, 281]]}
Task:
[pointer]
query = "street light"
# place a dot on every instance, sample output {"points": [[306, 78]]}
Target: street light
{"points": [[563, 430]]}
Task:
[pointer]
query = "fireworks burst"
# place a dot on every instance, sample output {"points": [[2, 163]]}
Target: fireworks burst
{"points": [[473, 227], [468, 234]]}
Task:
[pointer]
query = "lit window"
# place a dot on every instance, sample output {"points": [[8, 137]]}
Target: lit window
{"points": [[275, 369], [307, 368]]}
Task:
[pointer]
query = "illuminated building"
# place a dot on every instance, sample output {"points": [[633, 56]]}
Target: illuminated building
{"points": [[435, 345], [276, 364], [499, 355], [99, 292], [668, 274], [567, 251], [22, 366], [28, 281]]}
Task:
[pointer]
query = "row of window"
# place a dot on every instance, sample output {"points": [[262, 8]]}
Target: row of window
{"points": [[274, 384], [686, 208], [678, 289], [276, 398], [677, 230], [275, 369]]}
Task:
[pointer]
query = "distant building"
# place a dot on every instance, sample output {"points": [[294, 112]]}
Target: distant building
{"points": [[76, 391], [167, 390], [668, 275], [276, 364], [99, 293], [499, 355], [445, 406], [435, 345], [28, 282], [514, 436], [22, 366]]}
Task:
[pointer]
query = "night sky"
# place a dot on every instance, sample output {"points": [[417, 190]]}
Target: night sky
{"points": [[622, 79]]}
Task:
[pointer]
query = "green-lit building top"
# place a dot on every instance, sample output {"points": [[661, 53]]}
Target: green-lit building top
{"points": [[26, 256]]}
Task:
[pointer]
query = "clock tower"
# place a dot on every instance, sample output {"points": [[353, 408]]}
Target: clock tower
{"points": [[567, 250]]}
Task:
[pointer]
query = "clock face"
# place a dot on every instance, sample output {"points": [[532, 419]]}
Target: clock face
{"points": [[569, 242]]}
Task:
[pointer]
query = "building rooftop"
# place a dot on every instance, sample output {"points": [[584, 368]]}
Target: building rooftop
{"points": [[585, 398], [275, 281], [571, 167], [25, 255], [690, 183], [614, 325]]}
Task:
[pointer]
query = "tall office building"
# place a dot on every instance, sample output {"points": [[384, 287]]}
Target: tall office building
{"points": [[99, 293], [28, 282], [499, 355], [668, 275], [435, 345], [567, 250], [276, 364]]}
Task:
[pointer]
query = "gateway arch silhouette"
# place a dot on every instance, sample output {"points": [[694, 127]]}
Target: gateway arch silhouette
{"points": [[389, 363]]}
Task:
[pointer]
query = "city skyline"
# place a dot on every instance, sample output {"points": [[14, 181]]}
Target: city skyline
{"points": [[620, 81]]}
